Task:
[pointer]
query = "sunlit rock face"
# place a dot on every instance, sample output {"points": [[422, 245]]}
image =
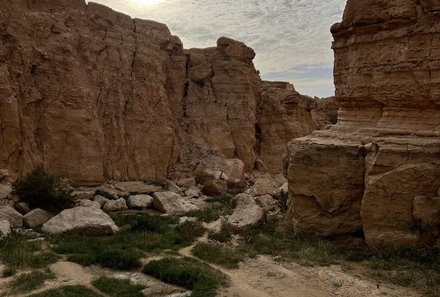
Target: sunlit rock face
{"points": [[93, 94], [381, 163]]}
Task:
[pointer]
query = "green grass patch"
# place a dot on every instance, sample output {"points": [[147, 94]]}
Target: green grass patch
{"points": [[16, 251], [221, 206], [225, 234], [68, 291], [28, 282], [217, 254], [117, 287], [189, 273]]}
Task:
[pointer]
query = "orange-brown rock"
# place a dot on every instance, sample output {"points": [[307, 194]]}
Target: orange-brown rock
{"points": [[378, 169], [93, 94]]}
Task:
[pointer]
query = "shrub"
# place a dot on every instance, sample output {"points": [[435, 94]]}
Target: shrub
{"points": [[188, 273], [118, 287], [217, 254], [190, 231], [30, 281], [68, 291], [119, 259], [42, 190]]}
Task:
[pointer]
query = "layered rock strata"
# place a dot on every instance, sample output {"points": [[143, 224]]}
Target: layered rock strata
{"points": [[92, 94], [378, 169]]}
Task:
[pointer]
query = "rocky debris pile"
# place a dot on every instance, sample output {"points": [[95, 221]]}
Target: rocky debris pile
{"points": [[378, 169]]}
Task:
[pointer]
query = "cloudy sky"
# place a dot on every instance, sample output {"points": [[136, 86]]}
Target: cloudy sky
{"points": [[291, 37]]}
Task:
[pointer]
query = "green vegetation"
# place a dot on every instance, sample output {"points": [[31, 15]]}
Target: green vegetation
{"points": [[217, 254], [68, 291], [221, 206], [42, 190], [225, 234], [117, 287], [30, 281], [16, 251], [188, 273]]}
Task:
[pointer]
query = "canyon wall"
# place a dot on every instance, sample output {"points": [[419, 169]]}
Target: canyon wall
{"points": [[93, 94], [378, 169]]}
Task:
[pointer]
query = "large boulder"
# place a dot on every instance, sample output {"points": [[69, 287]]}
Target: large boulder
{"points": [[187, 182], [5, 228], [172, 203], [115, 205], [37, 217], [139, 201], [89, 203], [215, 187], [246, 215], [264, 185], [81, 220], [14, 217]]}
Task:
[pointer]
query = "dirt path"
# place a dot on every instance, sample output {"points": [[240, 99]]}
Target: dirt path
{"points": [[264, 277]]}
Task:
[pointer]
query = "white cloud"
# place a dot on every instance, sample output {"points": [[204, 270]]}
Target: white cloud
{"points": [[286, 34]]}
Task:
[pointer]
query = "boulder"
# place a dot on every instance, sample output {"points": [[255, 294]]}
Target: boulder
{"points": [[108, 192], [264, 185], [115, 205], [83, 194], [81, 220], [215, 187], [172, 187], [246, 216], [89, 203], [36, 217], [243, 199], [14, 217], [172, 203], [184, 220], [193, 192], [205, 175], [230, 170], [5, 228], [101, 200], [139, 201], [268, 203], [5, 190], [187, 182], [137, 187]]}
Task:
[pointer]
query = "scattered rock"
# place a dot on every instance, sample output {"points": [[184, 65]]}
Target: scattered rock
{"points": [[172, 187], [5, 190], [284, 188], [81, 220], [108, 192], [115, 205], [83, 194], [14, 217], [5, 228], [187, 182], [184, 220], [36, 217], [22, 207], [172, 203], [246, 216], [205, 175], [101, 200], [89, 203], [193, 192], [139, 201], [137, 187], [243, 199], [264, 185], [215, 187], [268, 203]]}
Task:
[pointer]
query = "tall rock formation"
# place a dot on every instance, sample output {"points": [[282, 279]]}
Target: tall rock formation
{"points": [[92, 94], [378, 169]]}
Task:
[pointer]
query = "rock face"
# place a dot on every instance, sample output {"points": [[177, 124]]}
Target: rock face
{"points": [[151, 108], [81, 220], [378, 169]]}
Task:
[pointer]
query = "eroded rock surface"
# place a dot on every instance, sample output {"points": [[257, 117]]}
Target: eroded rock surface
{"points": [[370, 170], [94, 95]]}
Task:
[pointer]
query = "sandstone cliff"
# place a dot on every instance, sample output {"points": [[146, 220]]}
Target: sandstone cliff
{"points": [[378, 169], [93, 94]]}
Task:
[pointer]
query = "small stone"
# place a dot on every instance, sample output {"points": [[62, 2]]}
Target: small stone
{"points": [[89, 203], [83, 194], [187, 182], [193, 192], [5, 228], [139, 201], [115, 205], [184, 220], [101, 200], [172, 187]]}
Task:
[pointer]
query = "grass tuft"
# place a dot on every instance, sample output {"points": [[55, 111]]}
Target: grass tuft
{"points": [[117, 287], [217, 254], [28, 282], [68, 291]]}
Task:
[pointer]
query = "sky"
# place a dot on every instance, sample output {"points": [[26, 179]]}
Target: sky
{"points": [[291, 37]]}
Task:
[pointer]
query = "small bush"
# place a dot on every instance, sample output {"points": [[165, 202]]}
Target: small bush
{"points": [[68, 291], [150, 224], [42, 190], [118, 287], [190, 231], [119, 259], [188, 273], [213, 253], [30, 281], [225, 234]]}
